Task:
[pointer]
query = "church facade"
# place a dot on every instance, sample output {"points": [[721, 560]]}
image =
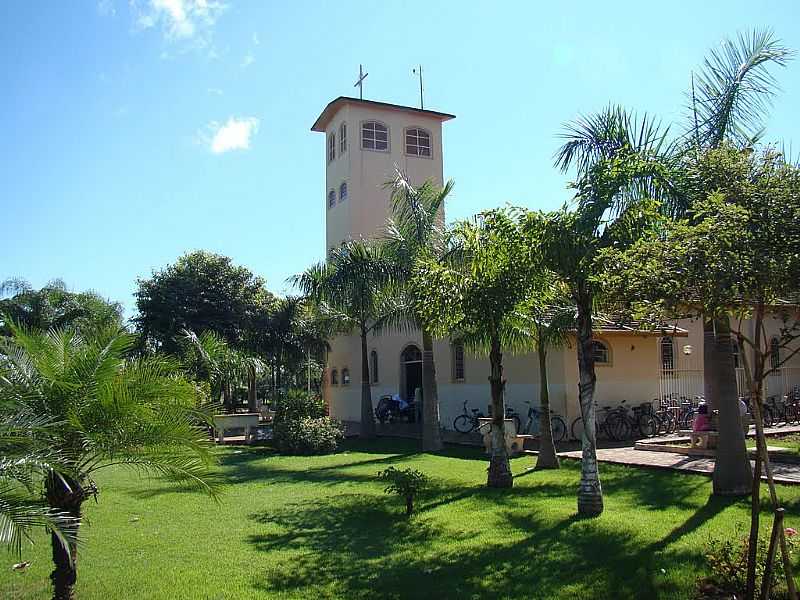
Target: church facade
{"points": [[365, 142]]}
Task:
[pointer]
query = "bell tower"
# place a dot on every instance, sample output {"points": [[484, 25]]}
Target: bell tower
{"points": [[365, 142]]}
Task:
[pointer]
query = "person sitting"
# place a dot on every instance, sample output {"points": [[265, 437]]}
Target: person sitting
{"points": [[702, 422]]}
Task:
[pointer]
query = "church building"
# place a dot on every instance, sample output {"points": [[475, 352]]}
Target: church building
{"points": [[365, 142]]}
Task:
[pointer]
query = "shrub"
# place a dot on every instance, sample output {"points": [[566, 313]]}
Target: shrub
{"points": [[406, 483], [727, 560], [300, 426]]}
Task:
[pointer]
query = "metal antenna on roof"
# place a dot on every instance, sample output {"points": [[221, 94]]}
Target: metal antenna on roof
{"points": [[421, 103], [360, 83]]}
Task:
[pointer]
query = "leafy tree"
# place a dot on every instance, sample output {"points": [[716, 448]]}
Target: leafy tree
{"points": [[355, 291], [105, 409], [54, 306], [416, 232], [201, 292], [474, 296], [734, 259]]}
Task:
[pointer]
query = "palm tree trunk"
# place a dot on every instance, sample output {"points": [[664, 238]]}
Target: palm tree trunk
{"points": [[252, 401], [548, 459], [590, 492], [65, 495], [431, 432], [732, 473], [367, 412], [499, 467]]}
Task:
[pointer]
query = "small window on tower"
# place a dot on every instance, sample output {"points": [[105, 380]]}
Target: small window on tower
{"points": [[343, 192], [374, 136], [331, 146], [331, 199], [418, 142], [342, 138]]}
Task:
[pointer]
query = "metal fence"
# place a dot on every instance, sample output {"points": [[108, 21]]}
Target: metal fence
{"points": [[687, 383]]}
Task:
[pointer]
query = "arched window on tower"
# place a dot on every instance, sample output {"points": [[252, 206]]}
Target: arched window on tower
{"points": [[343, 191], [418, 142], [373, 366], [457, 359], [334, 377], [774, 353], [374, 136], [667, 354], [342, 138], [331, 199], [331, 146], [601, 354], [345, 376]]}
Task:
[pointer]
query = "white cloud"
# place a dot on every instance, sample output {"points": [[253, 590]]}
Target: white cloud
{"points": [[235, 134], [179, 19], [248, 60], [106, 8]]}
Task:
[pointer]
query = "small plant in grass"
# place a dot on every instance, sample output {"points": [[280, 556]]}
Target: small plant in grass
{"points": [[406, 483], [727, 560]]}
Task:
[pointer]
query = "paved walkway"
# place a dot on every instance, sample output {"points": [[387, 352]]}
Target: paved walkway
{"points": [[704, 465]]}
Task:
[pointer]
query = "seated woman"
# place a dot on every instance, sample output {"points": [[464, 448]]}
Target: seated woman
{"points": [[702, 422]]}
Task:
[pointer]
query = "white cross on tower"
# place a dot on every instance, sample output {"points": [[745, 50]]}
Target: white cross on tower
{"points": [[360, 83]]}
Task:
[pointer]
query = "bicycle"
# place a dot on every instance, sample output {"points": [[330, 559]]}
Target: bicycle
{"points": [[466, 422], [610, 426], [532, 425]]}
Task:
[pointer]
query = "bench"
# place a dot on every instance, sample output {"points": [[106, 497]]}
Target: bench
{"points": [[515, 443], [246, 421], [701, 440]]}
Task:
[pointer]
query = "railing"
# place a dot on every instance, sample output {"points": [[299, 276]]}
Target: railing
{"points": [[688, 383]]}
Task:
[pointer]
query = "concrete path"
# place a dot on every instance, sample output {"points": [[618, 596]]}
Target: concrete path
{"points": [[703, 465]]}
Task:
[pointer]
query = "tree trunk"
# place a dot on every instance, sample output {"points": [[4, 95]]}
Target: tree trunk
{"points": [[548, 459], [590, 492], [732, 473], [752, 547], [367, 412], [409, 505], [65, 495], [431, 431], [499, 467], [226, 396], [252, 401]]}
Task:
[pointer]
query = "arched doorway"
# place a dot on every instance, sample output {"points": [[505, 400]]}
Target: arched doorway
{"points": [[410, 371]]}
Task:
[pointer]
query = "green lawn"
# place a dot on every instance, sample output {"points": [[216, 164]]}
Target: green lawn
{"points": [[320, 527], [790, 441]]}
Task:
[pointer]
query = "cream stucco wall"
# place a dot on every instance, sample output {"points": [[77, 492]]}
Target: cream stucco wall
{"points": [[632, 375], [366, 172]]}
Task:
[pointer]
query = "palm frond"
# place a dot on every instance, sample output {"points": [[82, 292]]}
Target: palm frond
{"points": [[733, 90]]}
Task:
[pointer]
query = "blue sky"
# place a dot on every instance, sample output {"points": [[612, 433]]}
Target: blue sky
{"points": [[134, 132]]}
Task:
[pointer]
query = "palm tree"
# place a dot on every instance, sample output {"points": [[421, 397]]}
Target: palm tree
{"points": [[24, 461], [473, 296], [416, 232], [356, 289], [621, 164], [106, 409], [225, 366], [728, 102], [547, 316]]}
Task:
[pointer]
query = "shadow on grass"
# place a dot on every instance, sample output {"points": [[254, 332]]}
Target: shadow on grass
{"points": [[358, 546]]}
